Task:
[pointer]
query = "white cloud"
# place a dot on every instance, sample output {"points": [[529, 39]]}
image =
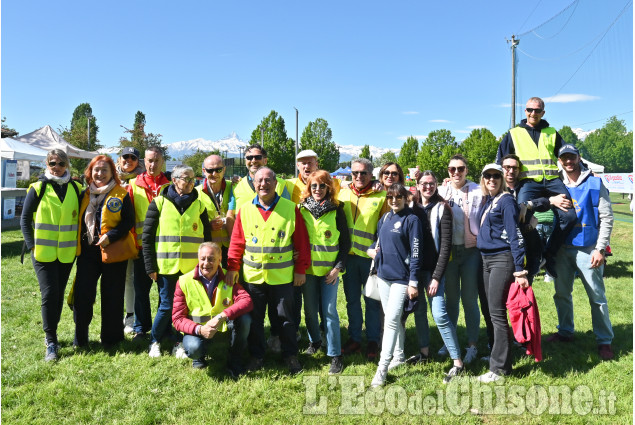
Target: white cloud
{"points": [[476, 126], [568, 98], [442, 121], [418, 137], [410, 113], [461, 131]]}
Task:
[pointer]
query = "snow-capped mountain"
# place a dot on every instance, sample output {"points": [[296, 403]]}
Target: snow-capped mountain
{"points": [[229, 144], [581, 133]]}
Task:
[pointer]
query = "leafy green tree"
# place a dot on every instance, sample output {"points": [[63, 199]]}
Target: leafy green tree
{"points": [[77, 134], [138, 138], [196, 159], [479, 148], [6, 130], [387, 157], [365, 153], [611, 146], [280, 148], [344, 164], [436, 151], [408, 153], [568, 136], [318, 136]]}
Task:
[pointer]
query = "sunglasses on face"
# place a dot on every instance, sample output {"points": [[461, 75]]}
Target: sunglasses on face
{"points": [[214, 170], [536, 110], [390, 173], [187, 179], [488, 176], [359, 173], [510, 168], [252, 157], [453, 170], [394, 198], [129, 156], [427, 184], [314, 186], [53, 164]]}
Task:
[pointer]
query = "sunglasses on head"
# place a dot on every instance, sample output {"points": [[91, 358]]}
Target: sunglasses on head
{"points": [[314, 186], [359, 173], [252, 157], [536, 110], [213, 170], [453, 170], [488, 176], [129, 156], [394, 198], [390, 173], [53, 164]]}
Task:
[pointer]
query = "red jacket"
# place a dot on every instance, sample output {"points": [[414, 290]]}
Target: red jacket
{"points": [[525, 319], [242, 305]]}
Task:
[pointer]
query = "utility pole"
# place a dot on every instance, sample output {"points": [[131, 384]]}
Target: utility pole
{"points": [[262, 136], [514, 42], [296, 140], [88, 117]]}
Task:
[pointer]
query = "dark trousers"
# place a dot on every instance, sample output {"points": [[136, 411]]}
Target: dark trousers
{"points": [[482, 297], [113, 280], [281, 297], [498, 275], [52, 278], [142, 286]]}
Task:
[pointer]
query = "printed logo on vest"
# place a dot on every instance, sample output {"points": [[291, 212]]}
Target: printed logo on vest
{"points": [[328, 234], [226, 302], [114, 205], [281, 234], [195, 226], [74, 213]]}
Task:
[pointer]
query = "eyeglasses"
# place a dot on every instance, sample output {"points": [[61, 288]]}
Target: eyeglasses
{"points": [[187, 179], [314, 186], [390, 173], [214, 170], [427, 184], [453, 170], [510, 168], [128, 156], [488, 176], [359, 173], [53, 164], [536, 110], [252, 157], [394, 198]]}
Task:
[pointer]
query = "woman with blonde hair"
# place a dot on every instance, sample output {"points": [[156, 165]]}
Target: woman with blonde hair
{"points": [[330, 242]]}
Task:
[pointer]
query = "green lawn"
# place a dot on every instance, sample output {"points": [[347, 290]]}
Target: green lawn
{"points": [[124, 386]]}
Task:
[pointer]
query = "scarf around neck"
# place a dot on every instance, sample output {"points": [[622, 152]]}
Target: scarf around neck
{"points": [[318, 209], [97, 195], [59, 180]]}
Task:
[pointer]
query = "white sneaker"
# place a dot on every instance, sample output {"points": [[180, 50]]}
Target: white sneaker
{"points": [[490, 377], [548, 278], [470, 355], [380, 378], [128, 324], [443, 351], [178, 351], [395, 363], [155, 350], [274, 344]]}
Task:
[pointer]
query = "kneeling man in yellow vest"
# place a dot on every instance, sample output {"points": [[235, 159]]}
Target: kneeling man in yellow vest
{"points": [[205, 304]]}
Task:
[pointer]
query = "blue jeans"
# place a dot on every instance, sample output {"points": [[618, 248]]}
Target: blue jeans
{"points": [[238, 329], [314, 288], [461, 285], [569, 260], [530, 189], [162, 325], [142, 286], [392, 299], [440, 316], [357, 270]]}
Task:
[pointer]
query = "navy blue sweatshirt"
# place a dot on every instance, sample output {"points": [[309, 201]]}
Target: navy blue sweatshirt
{"points": [[399, 256], [498, 231]]}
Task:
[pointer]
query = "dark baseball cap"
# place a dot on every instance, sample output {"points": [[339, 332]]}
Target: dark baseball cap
{"points": [[130, 151], [568, 149]]}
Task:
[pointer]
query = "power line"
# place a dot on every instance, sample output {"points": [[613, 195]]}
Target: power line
{"points": [[561, 29], [561, 57], [546, 22], [603, 119], [529, 16]]}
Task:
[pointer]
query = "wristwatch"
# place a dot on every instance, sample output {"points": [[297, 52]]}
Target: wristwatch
{"points": [[602, 251]]}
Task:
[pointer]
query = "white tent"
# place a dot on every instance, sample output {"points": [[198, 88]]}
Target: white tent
{"points": [[13, 149], [596, 168], [46, 138]]}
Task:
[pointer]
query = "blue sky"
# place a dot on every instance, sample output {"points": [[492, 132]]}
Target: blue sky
{"points": [[376, 71]]}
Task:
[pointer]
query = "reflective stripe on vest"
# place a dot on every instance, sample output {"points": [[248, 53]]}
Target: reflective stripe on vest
{"points": [[538, 162], [586, 199], [178, 236], [324, 238], [363, 226], [268, 255], [221, 236], [141, 204], [55, 224], [199, 306], [245, 195]]}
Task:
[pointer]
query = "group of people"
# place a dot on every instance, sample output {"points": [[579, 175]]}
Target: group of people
{"points": [[223, 254]]}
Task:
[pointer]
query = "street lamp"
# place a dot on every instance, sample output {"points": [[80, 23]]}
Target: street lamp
{"points": [[296, 140], [262, 136], [88, 117]]}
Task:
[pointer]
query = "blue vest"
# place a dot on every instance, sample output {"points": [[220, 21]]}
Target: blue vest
{"points": [[586, 198]]}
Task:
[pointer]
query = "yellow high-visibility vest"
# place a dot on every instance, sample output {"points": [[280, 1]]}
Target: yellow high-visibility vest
{"points": [[141, 204], [221, 236], [324, 238], [538, 162], [362, 224], [199, 306]]}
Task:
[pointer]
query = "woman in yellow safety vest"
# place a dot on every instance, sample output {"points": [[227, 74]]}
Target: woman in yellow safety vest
{"points": [[330, 242], [49, 226], [176, 224], [106, 217]]}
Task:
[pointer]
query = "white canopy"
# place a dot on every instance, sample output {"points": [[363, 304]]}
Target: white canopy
{"points": [[12, 149], [46, 138]]}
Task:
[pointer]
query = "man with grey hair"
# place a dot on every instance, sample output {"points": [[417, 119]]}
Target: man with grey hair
{"points": [[266, 231], [364, 205]]}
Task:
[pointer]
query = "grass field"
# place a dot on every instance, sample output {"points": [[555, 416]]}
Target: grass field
{"points": [[123, 385]]}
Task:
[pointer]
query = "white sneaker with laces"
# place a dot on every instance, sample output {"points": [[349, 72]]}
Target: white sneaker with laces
{"points": [[128, 324], [490, 377], [443, 351], [155, 350], [178, 351], [395, 363], [470, 355], [380, 378]]}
